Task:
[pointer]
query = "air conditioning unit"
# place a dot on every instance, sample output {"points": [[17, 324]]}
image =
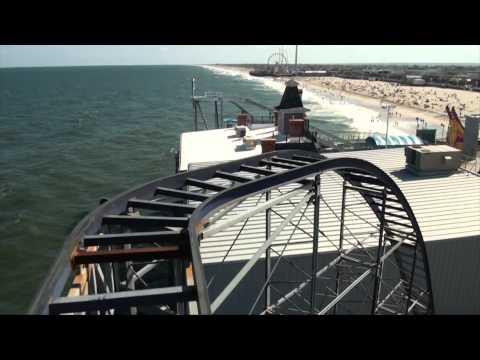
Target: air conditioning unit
{"points": [[432, 159]]}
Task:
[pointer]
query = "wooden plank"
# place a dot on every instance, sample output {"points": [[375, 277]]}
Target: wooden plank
{"points": [[79, 282], [74, 291]]}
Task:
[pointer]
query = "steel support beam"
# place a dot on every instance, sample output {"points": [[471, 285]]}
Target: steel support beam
{"points": [[232, 177], [175, 208], [137, 254], [145, 221], [121, 299], [340, 242], [176, 237], [214, 229], [316, 230], [289, 161], [380, 251], [358, 280], [278, 164], [268, 264], [204, 185], [248, 266], [304, 284], [181, 194]]}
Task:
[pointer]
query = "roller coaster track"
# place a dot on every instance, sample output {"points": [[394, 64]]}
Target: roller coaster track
{"points": [[141, 252]]}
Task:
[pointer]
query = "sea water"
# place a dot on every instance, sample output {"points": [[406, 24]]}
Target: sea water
{"points": [[70, 136]]}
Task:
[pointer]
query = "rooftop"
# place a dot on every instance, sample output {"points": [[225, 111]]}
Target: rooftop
{"points": [[218, 145], [446, 207]]}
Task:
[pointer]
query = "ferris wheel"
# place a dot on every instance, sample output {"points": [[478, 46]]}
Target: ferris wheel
{"points": [[277, 58]]}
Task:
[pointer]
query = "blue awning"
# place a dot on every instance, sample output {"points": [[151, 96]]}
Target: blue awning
{"points": [[229, 120], [393, 140]]}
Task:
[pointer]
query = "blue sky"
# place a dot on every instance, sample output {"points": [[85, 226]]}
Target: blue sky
{"points": [[71, 55]]}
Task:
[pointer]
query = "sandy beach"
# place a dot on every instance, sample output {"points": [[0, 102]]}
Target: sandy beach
{"points": [[410, 102], [428, 102]]}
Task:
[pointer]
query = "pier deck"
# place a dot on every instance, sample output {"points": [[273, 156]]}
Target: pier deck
{"points": [[218, 145]]}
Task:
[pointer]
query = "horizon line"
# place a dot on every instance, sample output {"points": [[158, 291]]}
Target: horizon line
{"points": [[234, 64]]}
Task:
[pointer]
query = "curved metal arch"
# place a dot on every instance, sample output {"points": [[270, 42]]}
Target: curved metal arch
{"points": [[419, 235], [240, 192], [60, 272]]}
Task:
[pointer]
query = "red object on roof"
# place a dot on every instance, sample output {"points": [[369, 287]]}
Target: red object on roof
{"points": [[242, 119], [296, 127], [268, 145]]}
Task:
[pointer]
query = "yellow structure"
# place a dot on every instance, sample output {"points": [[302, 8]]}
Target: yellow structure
{"points": [[456, 130]]}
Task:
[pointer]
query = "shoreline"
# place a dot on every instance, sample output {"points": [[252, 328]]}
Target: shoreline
{"points": [[402, 118], [338, 91]]}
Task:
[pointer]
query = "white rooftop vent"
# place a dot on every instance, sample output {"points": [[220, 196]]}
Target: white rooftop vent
{"points": [[432, 159]]}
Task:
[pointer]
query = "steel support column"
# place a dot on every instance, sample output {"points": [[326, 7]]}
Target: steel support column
{"points": [[179, 272], [253, 260], [316, 221], [410, 283], [380, 252], [267, 252], [221, 112], [340, 241], [217, 123]]}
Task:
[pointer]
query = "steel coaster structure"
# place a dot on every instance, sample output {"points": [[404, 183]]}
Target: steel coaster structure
{"points": [[141, 252]]}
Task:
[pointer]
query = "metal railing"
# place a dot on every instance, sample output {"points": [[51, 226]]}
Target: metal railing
{"points": [[341, 140], [470, 163], [262, 119]]}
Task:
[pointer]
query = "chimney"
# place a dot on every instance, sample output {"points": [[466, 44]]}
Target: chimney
{"points": [[291, 106]]}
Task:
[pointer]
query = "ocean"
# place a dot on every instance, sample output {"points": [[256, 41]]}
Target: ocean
{"points": [[70, 136]]}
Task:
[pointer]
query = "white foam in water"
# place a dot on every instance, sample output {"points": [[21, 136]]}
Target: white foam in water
{"points": [[321, 105]]}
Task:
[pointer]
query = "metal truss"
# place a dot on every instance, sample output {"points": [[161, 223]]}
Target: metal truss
{"points": [[361, 250]]}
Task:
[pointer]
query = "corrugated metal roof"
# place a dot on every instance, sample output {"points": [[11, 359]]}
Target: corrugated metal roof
{"points": [[446, 207]]}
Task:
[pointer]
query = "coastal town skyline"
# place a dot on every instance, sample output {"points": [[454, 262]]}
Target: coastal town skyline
{"points": [[91, 55]]}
